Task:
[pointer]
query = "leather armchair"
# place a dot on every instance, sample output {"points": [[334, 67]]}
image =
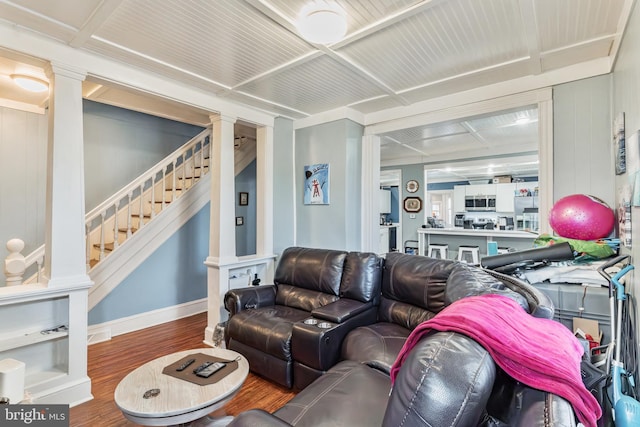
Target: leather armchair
{"points": [[335, 291]]}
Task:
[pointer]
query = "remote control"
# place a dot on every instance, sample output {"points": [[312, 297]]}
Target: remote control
{"points": [[211, 369], [185, 365], [201, 367]]}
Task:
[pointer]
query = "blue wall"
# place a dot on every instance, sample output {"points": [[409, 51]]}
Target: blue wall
{"points": [[246, 233], [120, 144], [174, 274], [336, 225]]}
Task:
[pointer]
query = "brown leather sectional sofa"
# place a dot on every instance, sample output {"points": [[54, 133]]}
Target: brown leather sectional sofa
{"points": [[334, 322]]}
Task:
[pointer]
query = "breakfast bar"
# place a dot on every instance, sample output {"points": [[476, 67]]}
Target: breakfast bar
{"points": [[455, 237]]}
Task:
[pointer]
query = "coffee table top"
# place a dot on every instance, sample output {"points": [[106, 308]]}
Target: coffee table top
{"points": [[179, 401]]}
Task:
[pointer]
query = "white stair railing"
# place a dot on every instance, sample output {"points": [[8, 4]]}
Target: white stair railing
{"points": [[114, 221], [145, 197]]}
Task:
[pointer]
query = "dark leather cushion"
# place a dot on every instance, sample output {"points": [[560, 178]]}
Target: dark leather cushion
{"points": [[349, 394], [416, 280], [465, 281], [309, 268], [446, 380], [267, 329], [376, 345], [302, 299], [362, 277], [406, 315]]}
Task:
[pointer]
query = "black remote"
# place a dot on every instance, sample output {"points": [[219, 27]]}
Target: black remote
{"points": [[185, 365], [210, 370], [201, 367]]}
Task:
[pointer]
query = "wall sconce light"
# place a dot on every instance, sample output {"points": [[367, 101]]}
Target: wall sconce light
{"points": [[30, 83]]}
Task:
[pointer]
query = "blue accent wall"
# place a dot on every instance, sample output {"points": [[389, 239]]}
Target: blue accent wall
{"points": [[246, 233], [174, 274], [120, 144]]}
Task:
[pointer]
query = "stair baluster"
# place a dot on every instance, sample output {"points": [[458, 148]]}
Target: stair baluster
{"points": [[153, 197], [116, 231], [102, 215], [141, 212], [129, 216]]}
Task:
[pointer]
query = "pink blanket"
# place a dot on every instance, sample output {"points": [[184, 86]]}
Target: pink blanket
{"points": [[540, 353]]}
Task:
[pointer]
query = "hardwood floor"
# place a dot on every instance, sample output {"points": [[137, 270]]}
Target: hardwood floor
{"points": [[110, 361]]}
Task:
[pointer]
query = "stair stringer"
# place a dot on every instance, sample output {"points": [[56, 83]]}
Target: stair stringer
{"points": [[111, 271]]}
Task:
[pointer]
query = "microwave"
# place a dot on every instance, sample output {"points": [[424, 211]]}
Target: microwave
{"points": [[480, 203]]}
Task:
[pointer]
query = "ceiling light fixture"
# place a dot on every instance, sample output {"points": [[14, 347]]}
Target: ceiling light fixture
{"points": [[30, 83], [322, 23]]}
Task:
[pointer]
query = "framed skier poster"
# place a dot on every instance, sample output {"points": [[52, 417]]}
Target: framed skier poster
{"points": [[316, 184]]}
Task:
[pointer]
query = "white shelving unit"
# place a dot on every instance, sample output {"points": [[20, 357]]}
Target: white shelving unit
{"points": [[46, 328]]}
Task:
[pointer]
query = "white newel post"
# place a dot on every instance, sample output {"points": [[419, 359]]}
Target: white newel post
{"points": [[222, 230], [370, 184], [65, 263]]}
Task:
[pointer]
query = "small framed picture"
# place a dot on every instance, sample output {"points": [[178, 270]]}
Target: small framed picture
{"points": [[412, 204], [239, 220], [244, 199]]}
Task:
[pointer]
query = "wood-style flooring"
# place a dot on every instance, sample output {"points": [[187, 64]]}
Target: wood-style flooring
{"points": [[110, 361]]}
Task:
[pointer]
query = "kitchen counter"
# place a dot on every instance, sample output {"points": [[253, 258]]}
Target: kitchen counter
{"points": [[457, 236]]}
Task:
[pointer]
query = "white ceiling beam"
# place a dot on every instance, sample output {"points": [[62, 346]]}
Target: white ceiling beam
{"points": [[625, 14], [99, 16], [530, 28]]}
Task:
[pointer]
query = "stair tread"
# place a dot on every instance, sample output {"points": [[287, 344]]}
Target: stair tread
{"points": [[124, 230], [107, 246]]}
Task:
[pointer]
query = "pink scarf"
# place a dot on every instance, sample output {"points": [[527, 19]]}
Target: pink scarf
{"points": [[540, 353]]}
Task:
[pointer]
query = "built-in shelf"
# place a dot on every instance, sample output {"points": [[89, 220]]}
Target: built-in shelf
{"points": [[28, 339], [39, 378]]}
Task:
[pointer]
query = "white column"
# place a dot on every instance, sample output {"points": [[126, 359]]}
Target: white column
{"points": [[370, 229], [65, 263], [264, 198], [222, 227]]}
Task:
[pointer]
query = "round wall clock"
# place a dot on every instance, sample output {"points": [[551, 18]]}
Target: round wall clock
{"points": [[412, 186]]}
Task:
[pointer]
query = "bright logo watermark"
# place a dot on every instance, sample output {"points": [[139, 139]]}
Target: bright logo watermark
{"points": [[34, 415]]}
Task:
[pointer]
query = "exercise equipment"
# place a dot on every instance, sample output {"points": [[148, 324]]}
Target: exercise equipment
{"points": [[622, 391], [530, 258], [581, 217]]}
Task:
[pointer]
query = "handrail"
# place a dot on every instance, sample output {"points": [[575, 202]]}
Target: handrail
{"points": [[135, 184], [171, 169]]}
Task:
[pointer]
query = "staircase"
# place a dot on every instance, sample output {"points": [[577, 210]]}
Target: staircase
{"points": [[129, 226], [118, 218]]}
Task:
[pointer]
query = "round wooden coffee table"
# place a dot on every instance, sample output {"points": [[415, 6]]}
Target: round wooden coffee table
{"points": [[148, 397]]}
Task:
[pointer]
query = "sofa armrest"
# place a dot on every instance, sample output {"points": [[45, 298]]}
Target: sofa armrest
{"points": [[257, 418], [341, 310], [237, 300]]}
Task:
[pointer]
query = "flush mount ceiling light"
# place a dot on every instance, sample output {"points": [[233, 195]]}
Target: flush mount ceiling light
{"points": [[30, 83], [322, 23]]}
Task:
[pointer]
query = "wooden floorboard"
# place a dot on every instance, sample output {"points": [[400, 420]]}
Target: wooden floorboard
{"points": [[110, 361]]}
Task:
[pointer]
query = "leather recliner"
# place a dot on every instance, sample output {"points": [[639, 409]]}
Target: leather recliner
{"points": [[447, 380], [415, 289], [336, 291]]}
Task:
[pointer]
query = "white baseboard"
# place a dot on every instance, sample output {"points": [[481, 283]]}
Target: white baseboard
{"points": [[104, 331]]}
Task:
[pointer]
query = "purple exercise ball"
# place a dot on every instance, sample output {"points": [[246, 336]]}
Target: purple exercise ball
{"points": [[581, 217]]}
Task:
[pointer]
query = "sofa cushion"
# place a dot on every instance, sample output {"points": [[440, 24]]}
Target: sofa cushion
{"points": [[466, 281], [406, 315], [303, 299], [376, 345], [446, 380], [361, 277], [349, 394], [416, 280], [267, 329], [314, 269]]}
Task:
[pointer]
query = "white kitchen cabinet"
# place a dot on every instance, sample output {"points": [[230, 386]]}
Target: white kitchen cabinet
{"points": [[504, 197], [385, 201], [481, 190], [384, 240], [458, 198]]}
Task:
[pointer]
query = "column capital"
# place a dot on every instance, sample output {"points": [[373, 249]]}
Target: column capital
{"points": [[215, 118], [55, 68]]}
